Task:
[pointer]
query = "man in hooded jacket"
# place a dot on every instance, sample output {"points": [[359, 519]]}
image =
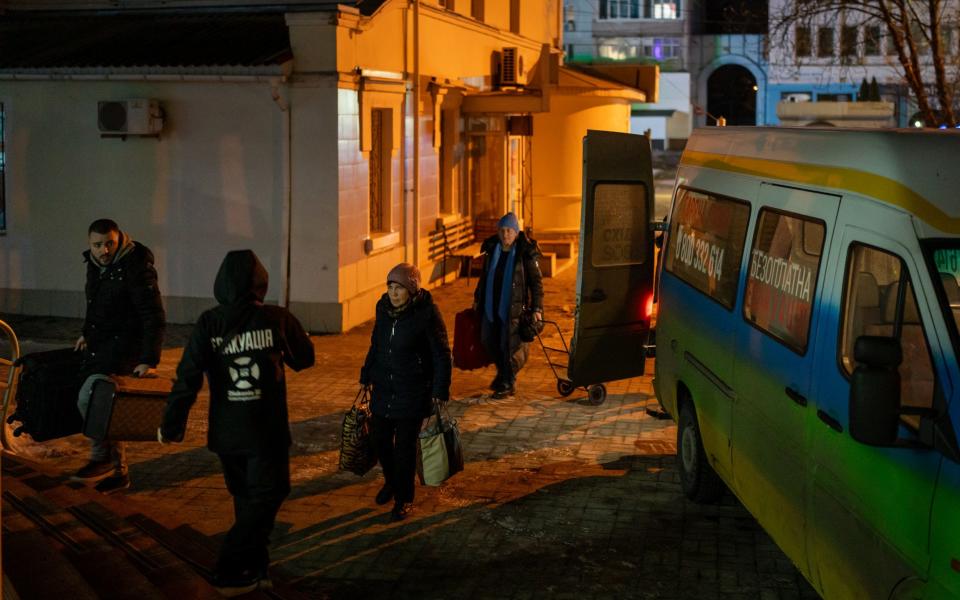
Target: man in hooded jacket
{"points": [[122, 332], [242, 346]]}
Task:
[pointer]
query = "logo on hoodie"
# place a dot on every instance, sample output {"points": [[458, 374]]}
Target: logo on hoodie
{"points": [[245, 377]]}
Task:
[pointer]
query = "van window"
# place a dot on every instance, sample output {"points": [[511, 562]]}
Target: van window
{"points": [[874, 305], [947, 261], [705, 247], [781, 281]]}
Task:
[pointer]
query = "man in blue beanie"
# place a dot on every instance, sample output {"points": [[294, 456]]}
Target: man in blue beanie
{"points": [[510, 284]]}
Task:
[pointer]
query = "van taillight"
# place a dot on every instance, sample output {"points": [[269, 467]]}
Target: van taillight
{"points": [[648, 307]]}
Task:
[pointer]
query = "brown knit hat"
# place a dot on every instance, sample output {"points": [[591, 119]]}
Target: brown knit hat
{"points": [[406, 275]]}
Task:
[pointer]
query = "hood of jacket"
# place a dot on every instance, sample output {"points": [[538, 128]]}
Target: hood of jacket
{"points": [[241, 279], [125, 247]]}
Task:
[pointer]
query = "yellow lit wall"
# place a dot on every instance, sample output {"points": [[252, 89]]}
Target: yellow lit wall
{"points": [[558, 152]]}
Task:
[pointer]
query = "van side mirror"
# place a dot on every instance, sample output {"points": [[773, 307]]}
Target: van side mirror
{"points": [[875, 391]]}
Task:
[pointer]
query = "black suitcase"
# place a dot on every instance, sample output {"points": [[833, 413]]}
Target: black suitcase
{"points": [[126, 409], [47, 395]]}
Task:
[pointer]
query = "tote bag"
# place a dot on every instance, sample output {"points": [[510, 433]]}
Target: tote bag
{"points": [[439, 449], [357, 454]]}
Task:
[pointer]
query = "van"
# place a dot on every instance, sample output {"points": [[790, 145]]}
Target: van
{"points": [[808, 329]]}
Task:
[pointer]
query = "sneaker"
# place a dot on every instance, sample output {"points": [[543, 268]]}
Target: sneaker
{"points": [[504, 392], [229, 586], [93, 470], [384, 495], [113, 484], [401, 510], [496, 383]]}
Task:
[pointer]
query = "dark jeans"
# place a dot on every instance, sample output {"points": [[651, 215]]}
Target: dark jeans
{"points": [[496, 340], [259, 484], [396, 444]]}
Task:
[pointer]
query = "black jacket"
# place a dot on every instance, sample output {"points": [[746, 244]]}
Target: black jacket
{"points": [[409, 359], [527, 283], [242, 346], [125, 320]]}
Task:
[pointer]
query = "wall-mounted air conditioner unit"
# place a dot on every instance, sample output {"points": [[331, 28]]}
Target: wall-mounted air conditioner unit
{"points": [[138, 116], [510, 66]]}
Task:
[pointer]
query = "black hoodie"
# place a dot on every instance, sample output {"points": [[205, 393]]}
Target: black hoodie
{"points": [[241, 345]]}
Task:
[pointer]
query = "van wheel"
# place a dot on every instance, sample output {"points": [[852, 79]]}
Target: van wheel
{"points": [[700, 482]]}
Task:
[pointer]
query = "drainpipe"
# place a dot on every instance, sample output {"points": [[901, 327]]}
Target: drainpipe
{"points": [[286, 220], [416, 133]]}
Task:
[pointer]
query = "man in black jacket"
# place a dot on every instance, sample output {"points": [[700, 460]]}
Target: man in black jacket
{"points": [[242, 346], [122, 332]]}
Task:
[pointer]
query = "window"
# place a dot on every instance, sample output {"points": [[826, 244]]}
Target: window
{"points": [[618, 50], [666, 9], [619, 9], [803, 41], [781, 282], [879, 300], [3, 173], [706, 240], [661, 48], [381, 165], [619, 224], [947, 262], [825, 42], [918, 32], [871, 40], [848, 41], [476, 9], [451, 157]]}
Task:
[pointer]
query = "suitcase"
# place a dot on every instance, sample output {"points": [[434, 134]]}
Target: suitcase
{"points": [[126, 409], [468, 351], [47, 393]]}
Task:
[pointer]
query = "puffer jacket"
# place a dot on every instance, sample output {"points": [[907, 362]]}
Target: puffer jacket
{"points": [[242, 345], [408, 363], [125, 319], [527, 287]]}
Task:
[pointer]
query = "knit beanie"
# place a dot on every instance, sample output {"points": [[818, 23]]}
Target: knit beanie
{"points": [[509, 220], [406, 275]]}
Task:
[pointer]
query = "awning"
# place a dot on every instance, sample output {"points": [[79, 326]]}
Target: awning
{"points": [[571, 81]]}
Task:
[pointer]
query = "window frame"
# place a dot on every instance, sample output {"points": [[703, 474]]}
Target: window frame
{"points": [[669, 244], [816, 276]]}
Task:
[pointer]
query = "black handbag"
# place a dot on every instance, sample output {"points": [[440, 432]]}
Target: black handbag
{"points": [[357, 453], [529, 327]]}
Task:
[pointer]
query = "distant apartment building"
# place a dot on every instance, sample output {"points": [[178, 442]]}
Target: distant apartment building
{"points": [[599, 32], [829, 58]]}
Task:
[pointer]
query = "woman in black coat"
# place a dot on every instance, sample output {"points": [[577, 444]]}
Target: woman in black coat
{"points": [[408, 366], [511, 282]]}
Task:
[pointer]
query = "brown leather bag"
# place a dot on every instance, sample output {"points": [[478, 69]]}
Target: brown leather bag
{"points": [[127, 409]]}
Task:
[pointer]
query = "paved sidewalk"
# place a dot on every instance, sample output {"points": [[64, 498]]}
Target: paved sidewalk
{"points": [[559, 499]]}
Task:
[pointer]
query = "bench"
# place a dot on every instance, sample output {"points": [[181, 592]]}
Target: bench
{"points": [[454, 241]]}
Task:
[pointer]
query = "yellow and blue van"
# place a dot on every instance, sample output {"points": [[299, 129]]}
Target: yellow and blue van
{"points": [[808, 330]]}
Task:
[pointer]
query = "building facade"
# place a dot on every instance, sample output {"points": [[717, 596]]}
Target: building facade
{"points": [[334, 140]]}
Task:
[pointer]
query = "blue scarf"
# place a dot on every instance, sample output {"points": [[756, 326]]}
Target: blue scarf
{"points": [[506, 288]]}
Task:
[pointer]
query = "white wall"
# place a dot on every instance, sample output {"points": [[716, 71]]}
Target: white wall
{"points": [[212, 182]]}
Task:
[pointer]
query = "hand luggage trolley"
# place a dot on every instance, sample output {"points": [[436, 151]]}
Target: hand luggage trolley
{"points": [[596, 392], [9, 387]]}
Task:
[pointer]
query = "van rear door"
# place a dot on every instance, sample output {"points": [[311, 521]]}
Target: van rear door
{"points": [[615, 275]]}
